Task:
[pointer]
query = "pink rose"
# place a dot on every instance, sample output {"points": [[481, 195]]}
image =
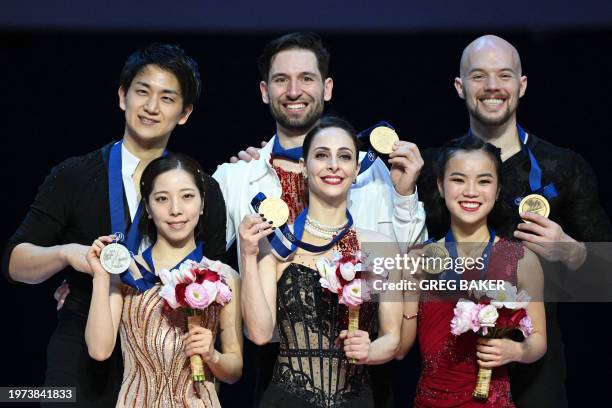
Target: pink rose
{"points": [[466, 317], [352, 294], [199, 296], [224, 293]]}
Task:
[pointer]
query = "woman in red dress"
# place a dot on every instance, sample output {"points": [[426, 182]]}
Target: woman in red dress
{"points": [[469, 175]]}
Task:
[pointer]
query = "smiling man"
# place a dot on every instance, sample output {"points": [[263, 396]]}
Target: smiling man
{"points": [[295, 83], [491, 82], [83, 198]]}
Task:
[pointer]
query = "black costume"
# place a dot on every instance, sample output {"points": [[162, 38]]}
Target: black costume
{"points": [[72, 206], [311, 371]]}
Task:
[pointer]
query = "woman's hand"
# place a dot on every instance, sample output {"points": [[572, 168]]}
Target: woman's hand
{"points": [[356, 345], [93, 255], [199, 340], [253, 228], [497, 352]]}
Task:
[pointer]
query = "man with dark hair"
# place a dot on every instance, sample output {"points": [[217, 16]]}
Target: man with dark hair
{"points": [[296, 84], [83, 198], [491, 82]]}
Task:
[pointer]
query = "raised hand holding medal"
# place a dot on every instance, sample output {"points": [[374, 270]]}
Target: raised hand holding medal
{"points": [[114, 257]]}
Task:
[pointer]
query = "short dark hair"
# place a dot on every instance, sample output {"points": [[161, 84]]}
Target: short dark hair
{"points": [[300, 40], [330, 121], [501, 211], [147, 180], [168, 57]]}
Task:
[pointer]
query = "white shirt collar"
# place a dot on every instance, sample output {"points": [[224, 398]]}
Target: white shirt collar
{"points": [[129, 162]]}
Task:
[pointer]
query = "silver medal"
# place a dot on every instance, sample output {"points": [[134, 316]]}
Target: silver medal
{"points": [[115, 258]]}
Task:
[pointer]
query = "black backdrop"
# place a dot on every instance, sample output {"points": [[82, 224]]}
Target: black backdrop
{"points": [[59, 99]]}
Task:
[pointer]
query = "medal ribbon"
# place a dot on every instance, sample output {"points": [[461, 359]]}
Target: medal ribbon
{"points": [[451, 245], [535, 173], [285, 242], [149, 278], [296, 153], [116, 204]]}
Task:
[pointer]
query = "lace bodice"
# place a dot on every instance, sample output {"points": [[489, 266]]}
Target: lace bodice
{"points": [[310, 364]]}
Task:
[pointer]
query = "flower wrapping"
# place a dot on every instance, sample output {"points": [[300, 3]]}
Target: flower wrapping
{"points": [[495, 315]]}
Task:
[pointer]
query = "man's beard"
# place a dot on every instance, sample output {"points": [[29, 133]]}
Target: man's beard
{"points": [[301, 125], [487, 120]]}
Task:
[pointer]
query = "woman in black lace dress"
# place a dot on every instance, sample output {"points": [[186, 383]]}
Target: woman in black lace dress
{"points": [[321, 363]]}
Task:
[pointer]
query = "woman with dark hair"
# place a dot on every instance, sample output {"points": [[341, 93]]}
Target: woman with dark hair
{"points": [[321, 363], [469, 182], [156, 349]]}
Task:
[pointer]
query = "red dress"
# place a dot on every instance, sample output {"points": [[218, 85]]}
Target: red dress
{"points": [[449, 368]]}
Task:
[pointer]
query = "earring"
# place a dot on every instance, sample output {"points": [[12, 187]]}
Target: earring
{"points": [[305, 176], [355, 180]]}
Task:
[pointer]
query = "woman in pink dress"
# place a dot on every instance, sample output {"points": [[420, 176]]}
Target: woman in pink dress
{"points": [[469, 175], [155, 344]]}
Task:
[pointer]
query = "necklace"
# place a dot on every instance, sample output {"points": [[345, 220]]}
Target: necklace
{"points": [[321, 230]]}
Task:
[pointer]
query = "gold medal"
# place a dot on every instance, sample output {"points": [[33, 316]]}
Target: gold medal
{"points": [[274, 209], [434, 257], [535, 203], [115, 258], [382, 139]]}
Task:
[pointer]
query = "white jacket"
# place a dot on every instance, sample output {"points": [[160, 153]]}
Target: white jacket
{"points": [[373, 201]]}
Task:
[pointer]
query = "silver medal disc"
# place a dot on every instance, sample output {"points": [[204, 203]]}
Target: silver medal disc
{"points": [[115, 258]]}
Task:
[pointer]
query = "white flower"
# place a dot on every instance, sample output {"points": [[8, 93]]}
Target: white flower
{"points": [[487, 316], [327, 270], [347, 270], [509, 298], [210, 288], [168, 292]]}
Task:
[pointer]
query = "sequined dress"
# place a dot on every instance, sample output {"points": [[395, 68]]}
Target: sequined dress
{"points": [[449, 367], [156, 371]]}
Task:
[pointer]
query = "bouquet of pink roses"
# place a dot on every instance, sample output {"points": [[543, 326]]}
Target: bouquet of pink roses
{"points": [[496, 315], [193, 287]]}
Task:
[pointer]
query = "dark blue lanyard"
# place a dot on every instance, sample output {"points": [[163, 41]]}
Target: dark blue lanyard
{"points": [[116, 203], [296, 153], [284, 242], [149, 278], [451, 245], [535, 172]]}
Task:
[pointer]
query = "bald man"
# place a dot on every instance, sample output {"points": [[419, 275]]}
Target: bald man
{"points": [[491, 82]]}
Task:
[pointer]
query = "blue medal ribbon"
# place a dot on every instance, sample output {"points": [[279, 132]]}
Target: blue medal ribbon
{"points": [[535, 173], [296, 153], [451, 245], [285, 242], [116, 202], [149, 277]]}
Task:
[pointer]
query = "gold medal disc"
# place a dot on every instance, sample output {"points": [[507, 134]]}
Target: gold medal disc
{"points": [[274, 209], [434, 257], [382, 139], [535, 203]]}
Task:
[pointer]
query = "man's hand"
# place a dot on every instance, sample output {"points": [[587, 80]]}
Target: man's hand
{"points": [[406, 164], [75, 255], [251, 153], [547, 239]]}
